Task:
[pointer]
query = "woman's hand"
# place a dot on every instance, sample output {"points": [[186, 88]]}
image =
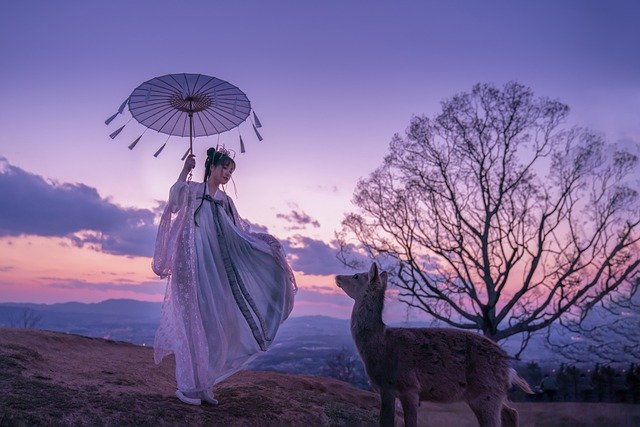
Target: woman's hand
{"points": [[189, 164]]}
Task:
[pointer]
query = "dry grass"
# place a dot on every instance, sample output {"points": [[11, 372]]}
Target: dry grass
{"points": [[53, 378]]}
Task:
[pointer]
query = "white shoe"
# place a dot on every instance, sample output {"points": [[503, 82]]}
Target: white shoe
{"points": [[207, 396], [188, 400]]}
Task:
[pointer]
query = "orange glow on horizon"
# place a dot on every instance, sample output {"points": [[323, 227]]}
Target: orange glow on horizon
{"points": [[39, 269], [51, 270]]}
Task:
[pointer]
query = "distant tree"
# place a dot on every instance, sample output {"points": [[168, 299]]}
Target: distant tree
{"points": [[608, 334], [498, 219], [532, 373], [344, 366], [25, 318]]}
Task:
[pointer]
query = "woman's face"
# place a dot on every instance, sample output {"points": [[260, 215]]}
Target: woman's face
{"points": [[221, 174]]}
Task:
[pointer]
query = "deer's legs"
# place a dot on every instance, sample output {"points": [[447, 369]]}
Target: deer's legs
{"points": [[509, 416], [487, 410], [387, 407], [410, 407]]}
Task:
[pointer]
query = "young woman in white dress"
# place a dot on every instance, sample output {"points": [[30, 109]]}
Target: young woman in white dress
{"points": [[228, 288]]}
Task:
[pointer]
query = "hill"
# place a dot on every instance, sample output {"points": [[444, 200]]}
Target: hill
{"points": [[57, 378]]}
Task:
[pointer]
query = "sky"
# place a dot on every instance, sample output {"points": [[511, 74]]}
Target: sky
{"points": [[331, 82]]}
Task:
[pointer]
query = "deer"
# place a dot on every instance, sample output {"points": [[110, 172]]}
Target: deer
{"points": [[427, 364]]}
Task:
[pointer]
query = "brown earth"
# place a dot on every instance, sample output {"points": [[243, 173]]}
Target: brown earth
{"points": [[560, 414], [61, 379], [55, 378]]}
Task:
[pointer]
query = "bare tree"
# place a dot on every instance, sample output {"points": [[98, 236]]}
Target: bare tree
{"points": [[25, 318], [496, 218]]}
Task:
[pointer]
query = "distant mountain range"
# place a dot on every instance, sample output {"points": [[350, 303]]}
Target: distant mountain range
{"points": [[116, 307], [309, 344], [117, 319]]}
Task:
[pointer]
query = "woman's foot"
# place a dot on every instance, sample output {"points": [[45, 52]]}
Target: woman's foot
{"points": [[207, 396], [188, 400]]}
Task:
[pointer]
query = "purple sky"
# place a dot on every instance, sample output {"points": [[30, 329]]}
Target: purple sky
{"points": [[332, 82]]}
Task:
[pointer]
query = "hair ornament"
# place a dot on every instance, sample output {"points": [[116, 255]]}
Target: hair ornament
{"points": [[223, 152]]}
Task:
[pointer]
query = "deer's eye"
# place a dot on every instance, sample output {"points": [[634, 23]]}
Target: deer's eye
{"points": [[355, 276]]}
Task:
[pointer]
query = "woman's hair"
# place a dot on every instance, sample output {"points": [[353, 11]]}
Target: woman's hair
{"points": [[215, 158]]}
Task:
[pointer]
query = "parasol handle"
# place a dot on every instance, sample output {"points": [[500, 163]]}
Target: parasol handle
{"points": [[190, 135], [190, 131]]}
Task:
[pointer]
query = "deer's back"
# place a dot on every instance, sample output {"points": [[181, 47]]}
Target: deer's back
{"points": [[446, 364]]}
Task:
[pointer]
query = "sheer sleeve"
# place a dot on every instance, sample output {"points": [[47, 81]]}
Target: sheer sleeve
{"points": [[166, 237], [177, 196], [181, 329]]}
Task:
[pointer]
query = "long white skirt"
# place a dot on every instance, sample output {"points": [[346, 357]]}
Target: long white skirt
{"points": [[235, 325]]}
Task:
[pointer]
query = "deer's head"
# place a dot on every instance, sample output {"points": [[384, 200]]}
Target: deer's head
{"points": [[358, 284]]}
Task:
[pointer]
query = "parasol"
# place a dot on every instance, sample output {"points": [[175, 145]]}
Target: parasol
{"points": [[187, 105]]}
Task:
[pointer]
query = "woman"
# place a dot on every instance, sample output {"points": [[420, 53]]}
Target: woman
{"points": [[228, 289]]}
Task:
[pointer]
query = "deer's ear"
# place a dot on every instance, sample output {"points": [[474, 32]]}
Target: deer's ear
{"points": [[373, 273], [383, 279]]}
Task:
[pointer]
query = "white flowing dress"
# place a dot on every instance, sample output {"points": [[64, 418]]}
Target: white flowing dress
{"points": [[228, 288]]}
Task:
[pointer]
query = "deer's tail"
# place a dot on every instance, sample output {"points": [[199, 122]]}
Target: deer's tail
{"points": [[515, 379]]}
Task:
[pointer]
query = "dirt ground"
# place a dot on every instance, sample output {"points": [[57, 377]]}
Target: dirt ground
{"points": [[54, 378], [561, 414]]}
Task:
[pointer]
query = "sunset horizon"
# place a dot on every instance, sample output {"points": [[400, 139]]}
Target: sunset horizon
{"points": [[80, 210]]}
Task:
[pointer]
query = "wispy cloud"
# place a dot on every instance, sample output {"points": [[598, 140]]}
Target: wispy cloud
{"points": [[32, 205], [299, 220], [323, 188]]}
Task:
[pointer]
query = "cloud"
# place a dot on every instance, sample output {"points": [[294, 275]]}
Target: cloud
{"points": [[299, 219], [311, 256], [257, 227], [316, 257], [32, 205], [329, 188]]}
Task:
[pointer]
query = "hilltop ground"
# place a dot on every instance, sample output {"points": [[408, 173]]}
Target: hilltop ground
{"points": [[54, 378]]}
